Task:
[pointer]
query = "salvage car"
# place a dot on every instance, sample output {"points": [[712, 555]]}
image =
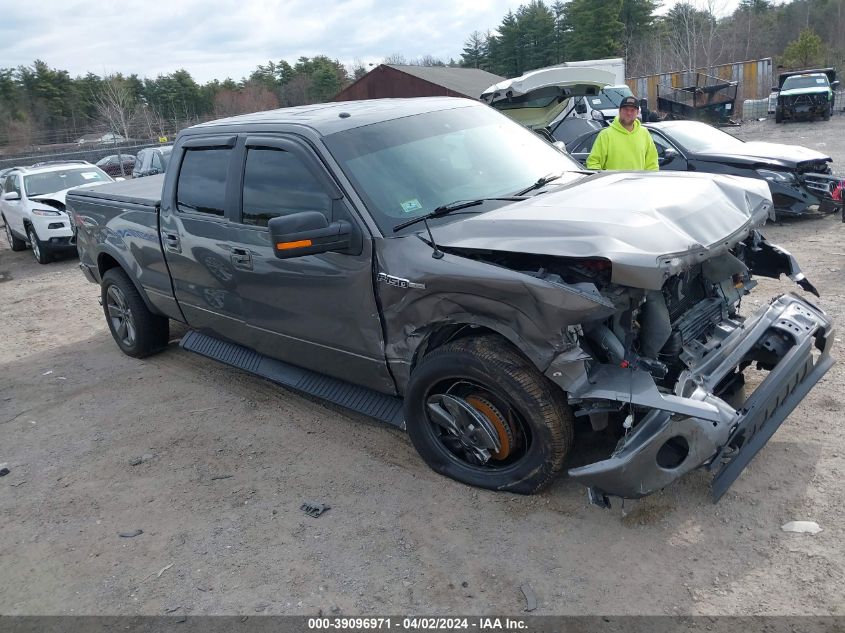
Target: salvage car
{"points": [[801, 180], [117, 164], [152, 161], [539, 97], [805, 94], [439, 267], [32, 205]]}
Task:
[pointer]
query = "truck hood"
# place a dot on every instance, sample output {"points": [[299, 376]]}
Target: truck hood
{"points": [[772, 153], [805, 91], [537, 98], [649, 225]]}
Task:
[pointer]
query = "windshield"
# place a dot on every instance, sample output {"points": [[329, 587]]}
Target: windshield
{"points": [[52, 181], [408, 167], [610, 97], [805, 81], [700, 137]]}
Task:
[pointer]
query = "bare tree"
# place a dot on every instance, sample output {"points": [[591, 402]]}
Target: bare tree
{"points": [[694, 33], [116, 104]]}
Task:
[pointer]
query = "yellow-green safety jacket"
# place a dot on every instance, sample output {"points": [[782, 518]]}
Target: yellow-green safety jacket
{"points": [[617, 148]]}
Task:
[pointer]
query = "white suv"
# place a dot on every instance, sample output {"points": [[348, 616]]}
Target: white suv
{"points": [[33, 204]]}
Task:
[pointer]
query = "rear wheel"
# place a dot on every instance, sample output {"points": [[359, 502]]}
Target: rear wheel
{"points": [[42, 255], [15, 243], [479, 412], [137, 331]]}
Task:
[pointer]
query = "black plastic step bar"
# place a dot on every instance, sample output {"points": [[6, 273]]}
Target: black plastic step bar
{"points": [[359, 399]]}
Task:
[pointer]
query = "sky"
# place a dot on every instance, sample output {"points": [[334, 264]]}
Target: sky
{"points": [[216, 39]]}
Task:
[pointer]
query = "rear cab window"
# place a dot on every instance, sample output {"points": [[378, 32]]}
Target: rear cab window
{"points": [[201, 187]]}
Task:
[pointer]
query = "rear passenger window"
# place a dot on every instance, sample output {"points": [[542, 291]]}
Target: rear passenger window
{"points": [[277, 183], [202, 181]]}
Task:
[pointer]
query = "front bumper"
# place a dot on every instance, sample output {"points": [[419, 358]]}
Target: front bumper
{"points": [[694, 427], [811, 194], [54, 231]]}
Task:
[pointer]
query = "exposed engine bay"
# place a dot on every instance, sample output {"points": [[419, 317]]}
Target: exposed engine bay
{"points": [[667, 367]]}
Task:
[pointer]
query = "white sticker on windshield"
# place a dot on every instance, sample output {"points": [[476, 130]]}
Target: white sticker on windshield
{"points": [[90, 175], [728, 106], [819, 80], [596, 101], [409, 206]]}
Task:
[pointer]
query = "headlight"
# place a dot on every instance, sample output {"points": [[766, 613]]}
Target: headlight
{"points": [[783, 177], [46, 212]]}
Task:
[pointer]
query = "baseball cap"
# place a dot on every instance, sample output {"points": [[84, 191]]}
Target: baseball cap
{"points": [[629, 102]]}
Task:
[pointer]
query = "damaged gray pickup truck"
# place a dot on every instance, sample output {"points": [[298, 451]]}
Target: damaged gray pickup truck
{"points": [[432, 264]]}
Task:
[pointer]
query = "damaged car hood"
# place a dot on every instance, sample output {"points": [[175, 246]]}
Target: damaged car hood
{"points": [[648, 225], [57, 198], [757, 152]]}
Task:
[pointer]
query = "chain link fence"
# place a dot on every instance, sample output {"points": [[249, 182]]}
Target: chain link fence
{"points": [[91, 152]]}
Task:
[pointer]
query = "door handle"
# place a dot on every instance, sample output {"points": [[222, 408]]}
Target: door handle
{"points": [[172, 242]]}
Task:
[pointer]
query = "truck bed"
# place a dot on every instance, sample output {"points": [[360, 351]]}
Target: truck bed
{"points": [[142, 191]]}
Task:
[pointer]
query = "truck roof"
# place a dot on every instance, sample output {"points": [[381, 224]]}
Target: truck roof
{"points": [[328, 118]]}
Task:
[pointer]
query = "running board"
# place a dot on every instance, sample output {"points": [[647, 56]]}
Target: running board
{"points": [[360, 399]]}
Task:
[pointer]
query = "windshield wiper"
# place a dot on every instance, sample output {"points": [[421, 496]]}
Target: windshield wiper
{"points": [[446, 209], [541, 182]]}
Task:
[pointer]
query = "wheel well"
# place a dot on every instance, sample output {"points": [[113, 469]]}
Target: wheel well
{"points": [[106, 262], [446, 334]]}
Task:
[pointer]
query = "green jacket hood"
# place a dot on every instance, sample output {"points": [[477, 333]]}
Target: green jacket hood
{"points": [[617, 125]]}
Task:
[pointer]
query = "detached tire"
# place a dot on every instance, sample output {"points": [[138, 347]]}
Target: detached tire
{"points": [[479, 412], [137, 331]]}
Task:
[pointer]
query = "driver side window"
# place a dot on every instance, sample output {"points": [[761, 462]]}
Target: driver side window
{"points": [[661, 144]]}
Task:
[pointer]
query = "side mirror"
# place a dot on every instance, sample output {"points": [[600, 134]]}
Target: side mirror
{"points": [[307, 233], [668, 156], [835, 84], [775, 89], [11, 195]]}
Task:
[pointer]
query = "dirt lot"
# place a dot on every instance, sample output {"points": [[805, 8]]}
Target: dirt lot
{"points": [[227, 459]]}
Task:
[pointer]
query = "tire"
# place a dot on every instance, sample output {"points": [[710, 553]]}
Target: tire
{"points": [[39, 250], [489, 378], [16, 244], [137, 331], [778, 116], [826, 115]]}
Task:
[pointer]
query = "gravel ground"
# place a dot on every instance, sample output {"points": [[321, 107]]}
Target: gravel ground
{"points": [[212, 465]]}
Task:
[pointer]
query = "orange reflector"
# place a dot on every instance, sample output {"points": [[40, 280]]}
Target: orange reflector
{"points": [[283, 246]]}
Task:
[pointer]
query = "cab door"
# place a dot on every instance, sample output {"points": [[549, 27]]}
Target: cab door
{"points": [[315, 311], [197, 237]]}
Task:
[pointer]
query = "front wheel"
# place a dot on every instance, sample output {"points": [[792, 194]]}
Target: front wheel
{"points": [[137, 331], [42, 255], [15, 243], [479, 412], [778, 116]]}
